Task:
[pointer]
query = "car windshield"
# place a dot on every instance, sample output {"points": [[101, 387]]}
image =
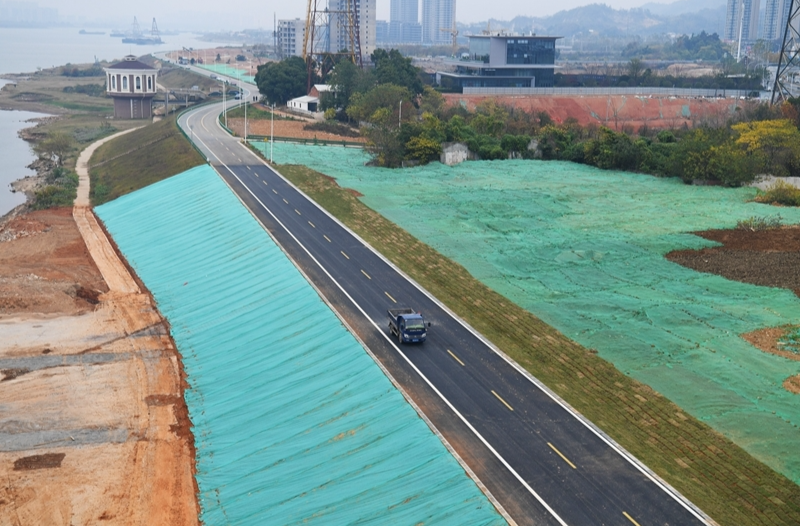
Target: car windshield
{"points": [[414, 325]]}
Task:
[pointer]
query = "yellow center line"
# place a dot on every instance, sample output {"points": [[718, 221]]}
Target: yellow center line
{"points": [[326, 237], [630, 518], [459, 361], [312, 224], [345, 255], [285, 201], [367, 275], [504, 402], [566, 459], [298, 212], [390, 297]]}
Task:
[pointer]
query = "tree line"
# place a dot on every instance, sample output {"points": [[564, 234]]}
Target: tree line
{"points": [[406, 121]]}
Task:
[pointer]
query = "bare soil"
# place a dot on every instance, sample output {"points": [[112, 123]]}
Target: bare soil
{"points": [[615, 111], [770, 258], [286, 128], [43, 265], [94, 424]]}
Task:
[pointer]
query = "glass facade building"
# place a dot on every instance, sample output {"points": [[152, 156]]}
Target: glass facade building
{"points": [[503, 61]]}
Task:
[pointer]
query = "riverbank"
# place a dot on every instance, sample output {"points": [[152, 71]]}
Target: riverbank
{"points": [[95, 426]]}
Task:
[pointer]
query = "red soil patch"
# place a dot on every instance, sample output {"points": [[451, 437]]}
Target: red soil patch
{"points": [[614, 111]]}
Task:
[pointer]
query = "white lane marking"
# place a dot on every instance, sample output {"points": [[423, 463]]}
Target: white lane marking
{"points": [[410, 363], [669, 490], [610, 442]]}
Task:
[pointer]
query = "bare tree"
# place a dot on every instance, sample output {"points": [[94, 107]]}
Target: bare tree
{"points": [[55, 147]]}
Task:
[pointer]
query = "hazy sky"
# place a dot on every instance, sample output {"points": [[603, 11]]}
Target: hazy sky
{"points": [[254, 13]]}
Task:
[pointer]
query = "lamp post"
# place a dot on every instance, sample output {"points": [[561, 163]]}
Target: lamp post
{"points": [[271, 131], [224, 104]]}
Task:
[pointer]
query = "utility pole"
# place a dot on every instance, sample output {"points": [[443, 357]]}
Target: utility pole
{"points": [[788, 63]]}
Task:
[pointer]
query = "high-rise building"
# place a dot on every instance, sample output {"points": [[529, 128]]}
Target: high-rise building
{"points": [[404, 11], [776, 12], [339, 31], [404, 26], [290, 37], [741, 19], [438, 18]]}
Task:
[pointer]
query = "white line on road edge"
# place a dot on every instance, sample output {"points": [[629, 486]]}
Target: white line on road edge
{"points": [[430, 384], [666, 487], [610, 442]]}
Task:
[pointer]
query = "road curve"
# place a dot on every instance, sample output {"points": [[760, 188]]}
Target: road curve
{"points": [[540, 460]]}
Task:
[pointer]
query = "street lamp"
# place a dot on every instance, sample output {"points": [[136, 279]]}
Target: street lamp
{"points": [[271, 131]]}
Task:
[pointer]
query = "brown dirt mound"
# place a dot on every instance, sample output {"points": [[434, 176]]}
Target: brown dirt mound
{"points": [[770, 258]]}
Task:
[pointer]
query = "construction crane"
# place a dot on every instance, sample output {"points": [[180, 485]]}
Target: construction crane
{"points": [[454, 33], [452, 30]]}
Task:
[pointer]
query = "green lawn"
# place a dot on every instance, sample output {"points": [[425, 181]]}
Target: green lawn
{"points": [[140, 158]]}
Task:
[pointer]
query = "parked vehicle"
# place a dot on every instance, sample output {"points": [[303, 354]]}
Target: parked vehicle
{"points": [[408, 325]]}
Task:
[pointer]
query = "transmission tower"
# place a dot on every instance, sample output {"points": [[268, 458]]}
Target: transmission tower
{"points": [[332, 34], [789, 61]]}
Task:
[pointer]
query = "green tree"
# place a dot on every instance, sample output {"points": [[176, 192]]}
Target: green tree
{"points": [[387, 96], [383, 139], [431, 101], [393, 68], [284, 80], [345, 79], [423, 149]]}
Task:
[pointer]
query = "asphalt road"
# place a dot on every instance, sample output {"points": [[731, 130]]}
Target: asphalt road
{"points": [[543, 463]]}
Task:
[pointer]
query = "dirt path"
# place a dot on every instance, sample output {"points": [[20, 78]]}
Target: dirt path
{"points": [[94, 428], [82, 167]]}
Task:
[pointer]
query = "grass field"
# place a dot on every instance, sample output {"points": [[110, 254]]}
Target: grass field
{"points": [[140, 158], [724, 480]]}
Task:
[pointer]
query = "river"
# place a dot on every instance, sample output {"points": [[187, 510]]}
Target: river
{"points": [[25, 51]]}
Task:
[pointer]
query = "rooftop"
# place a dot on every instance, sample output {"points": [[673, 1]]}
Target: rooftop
{"points": [[130, 62]]}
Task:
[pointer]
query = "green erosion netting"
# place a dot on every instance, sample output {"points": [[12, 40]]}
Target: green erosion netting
{"points": [[791, 341], [293, 421], [230, 71], [583, 249]]}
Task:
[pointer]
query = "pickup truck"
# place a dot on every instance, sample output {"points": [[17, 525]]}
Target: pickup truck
{"points": [[407, 325]]}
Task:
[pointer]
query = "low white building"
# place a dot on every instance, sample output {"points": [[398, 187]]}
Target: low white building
{"points": [[304, 104]]}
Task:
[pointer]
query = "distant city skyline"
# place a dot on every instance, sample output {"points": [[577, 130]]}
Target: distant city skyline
{"points": [[252, 14]]}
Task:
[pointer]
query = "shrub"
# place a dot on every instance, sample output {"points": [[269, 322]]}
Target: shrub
{"points": [[61, 193], [781, 193], [755, 223]]}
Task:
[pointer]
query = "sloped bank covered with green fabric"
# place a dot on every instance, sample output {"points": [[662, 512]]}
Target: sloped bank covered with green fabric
{"points": [[294, 422]]}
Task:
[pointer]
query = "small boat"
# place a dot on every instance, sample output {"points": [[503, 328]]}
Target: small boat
{"points": [[84, 32]]}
